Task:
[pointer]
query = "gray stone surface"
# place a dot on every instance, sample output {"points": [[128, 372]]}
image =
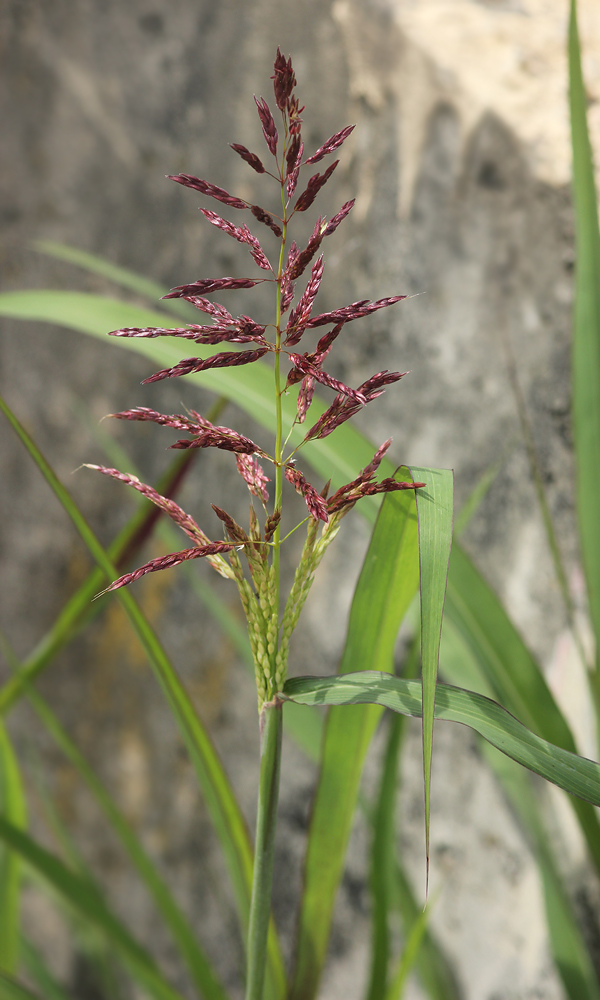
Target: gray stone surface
{"points": [[99, 101]]}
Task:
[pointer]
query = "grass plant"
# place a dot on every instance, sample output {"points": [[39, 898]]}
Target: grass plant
{"points": [[500, 690]]}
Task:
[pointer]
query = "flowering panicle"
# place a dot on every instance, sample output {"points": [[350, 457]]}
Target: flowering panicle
{"points": [[268, 630]]}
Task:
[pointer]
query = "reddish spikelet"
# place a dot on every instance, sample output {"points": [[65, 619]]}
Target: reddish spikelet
{"points": [[214, 309], [303, 365], [212, 190], [331, 144], [227, 359], [268, 125], [304, 258], [167, 562], [326, 341], [356, 310], [313, 187], [287, 286], [300, 315], [305, 398], [185, 521], [373, 386], [253, 475], [251, 158], [293, 156], [341, 215], [240, 233], [294, 111], [210, 285], [284, 80], [314, 501], [219, 437], [234, 530], [262, 216], [271, 524]]}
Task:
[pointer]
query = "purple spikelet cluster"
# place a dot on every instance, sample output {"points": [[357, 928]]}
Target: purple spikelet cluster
{"points": [[305, 368]]}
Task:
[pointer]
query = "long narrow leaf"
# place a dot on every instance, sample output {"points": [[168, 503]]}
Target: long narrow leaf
{"points": [[509, 668], [568, 946], [586, 338], [435, 506], [574, 774], [222, 805], [85, 902], [387, 584], [383, 860], [10, 989], [12, 807], [199, 966]]}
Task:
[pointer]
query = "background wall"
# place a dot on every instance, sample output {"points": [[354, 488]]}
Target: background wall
{"points": [[460, 165]]}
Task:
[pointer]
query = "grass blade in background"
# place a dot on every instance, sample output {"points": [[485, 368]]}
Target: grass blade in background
{"points": [[435, 972], [199, 967], [224, 810], [408, 959], [39, 973], [386, 586], [586, 336], [576, 775], [10, 989], [79, 896], [509, 668], [12, 807], [567, 943], [435, 506], [383, 861]]}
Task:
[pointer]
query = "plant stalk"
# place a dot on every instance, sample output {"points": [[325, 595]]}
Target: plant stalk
{"points": [[266, 822]]}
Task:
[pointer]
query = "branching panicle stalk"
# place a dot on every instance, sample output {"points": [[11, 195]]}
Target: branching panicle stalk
{"points": [[259, 587]]}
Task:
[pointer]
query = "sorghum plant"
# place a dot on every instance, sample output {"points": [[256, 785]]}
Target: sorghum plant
{"points": [[269, 626]]}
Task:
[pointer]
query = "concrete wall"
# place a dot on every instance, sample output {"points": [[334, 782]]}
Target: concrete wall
{"points": [[460, 166]]}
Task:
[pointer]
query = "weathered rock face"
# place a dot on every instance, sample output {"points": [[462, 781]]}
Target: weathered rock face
{"points": [[460, 166]]}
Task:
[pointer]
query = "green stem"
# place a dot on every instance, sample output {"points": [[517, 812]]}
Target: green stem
{"points": [[266, 822]]}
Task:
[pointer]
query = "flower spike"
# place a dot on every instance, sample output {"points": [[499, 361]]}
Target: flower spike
{"points": [[210, 189]]}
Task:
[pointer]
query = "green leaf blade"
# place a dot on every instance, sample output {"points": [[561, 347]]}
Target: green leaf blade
{"points": [[12, 807], [387, 584], [435, 512], [586, 339], [576, 775]]}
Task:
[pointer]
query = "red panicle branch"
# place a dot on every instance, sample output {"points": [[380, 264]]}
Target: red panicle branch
{"points": [[185, 521], [168, 562], [268, 125], [331, 144], [253, 475], [199, 334], [313, 187], [212, 190], [242, 234], [314, 501], [227, 359], [343, 409], [303, 366], [206, 285], [356, 310], [300, 316]]}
